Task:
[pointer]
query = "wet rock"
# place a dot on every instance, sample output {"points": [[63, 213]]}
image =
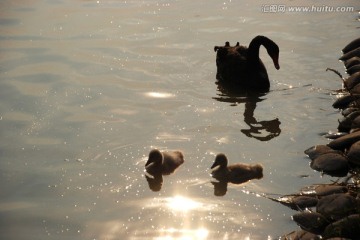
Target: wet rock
{"points": [[325, 189], [349, 110], [355, 123], [353, 69], [337, 206], [344, 142], [303, 202], [353, 130], [353, 154], [343, 101], [298, 202], [338, 238], [351, 45], [352, 62], [351, 81], [353, 53], [355, 103], [300, 235], [317, 150], [345, 123], [333, 164], [311, 221], [348, 227], [335, 135], [356, 91]]}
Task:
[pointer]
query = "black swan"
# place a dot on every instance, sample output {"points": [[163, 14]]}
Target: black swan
{"points": [[240, 66], [235, 173]]}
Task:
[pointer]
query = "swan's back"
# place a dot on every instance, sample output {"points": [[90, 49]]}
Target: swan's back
{"points": [[235, 69]]}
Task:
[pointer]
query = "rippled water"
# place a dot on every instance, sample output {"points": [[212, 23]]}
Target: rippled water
{"points": [[88, 88]]}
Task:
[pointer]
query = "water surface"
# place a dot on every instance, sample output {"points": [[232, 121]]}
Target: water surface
{"points": [[88, 88]]}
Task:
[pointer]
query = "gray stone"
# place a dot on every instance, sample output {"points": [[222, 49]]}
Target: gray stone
{"points": [[333, 164], [345, 142], [317, 150], [353, 154], [311, 221], [348, 227], [337, 206]]}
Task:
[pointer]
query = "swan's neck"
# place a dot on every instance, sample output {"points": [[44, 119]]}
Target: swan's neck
{"points": [[253, 50]]}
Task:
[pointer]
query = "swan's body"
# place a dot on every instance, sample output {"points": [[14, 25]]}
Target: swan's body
{"points": [[235, 173], [163, 163], [241, 66]]}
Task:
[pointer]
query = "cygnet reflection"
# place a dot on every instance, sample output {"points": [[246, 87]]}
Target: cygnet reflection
{"points": [[159, 164]]}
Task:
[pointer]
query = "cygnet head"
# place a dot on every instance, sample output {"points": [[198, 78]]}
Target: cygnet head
{"points": [[258, 171], [155, 158], [220, 160]]}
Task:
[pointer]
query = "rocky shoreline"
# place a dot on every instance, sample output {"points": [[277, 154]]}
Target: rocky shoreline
{"points": [[332, 211]]}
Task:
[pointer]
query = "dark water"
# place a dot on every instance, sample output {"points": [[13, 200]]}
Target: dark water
{"points": [[88, 88]]}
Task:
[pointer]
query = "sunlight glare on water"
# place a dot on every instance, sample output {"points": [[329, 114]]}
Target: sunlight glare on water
{"points": [[183, 234], [159, 95], [182, 204]]}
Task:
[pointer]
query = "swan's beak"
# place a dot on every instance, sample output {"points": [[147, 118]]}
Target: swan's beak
{"points": [[277, 66], [276, 62]]}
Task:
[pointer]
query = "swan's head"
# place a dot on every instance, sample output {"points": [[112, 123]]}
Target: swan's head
{"points": [[273, 52], [220, 161], [155, 159]]}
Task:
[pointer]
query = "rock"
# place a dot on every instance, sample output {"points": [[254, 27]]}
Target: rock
{"points": [[353, 69], [298, 202], [355, 123], [333, 164], [353, 53], [303, 202], [335, 135], [327, 189], [351, 45], [343, 101], [353, 154], [356, 91], [337, 206], [348, 227], [352, 62], [311, 221], [344, 142], [351, 81], [317, 150], [349, 110], [300, 235], [346, 122], [353, 130]]}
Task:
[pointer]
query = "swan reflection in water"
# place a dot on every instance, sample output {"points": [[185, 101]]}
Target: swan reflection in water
{"points": [[264, 130]]}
